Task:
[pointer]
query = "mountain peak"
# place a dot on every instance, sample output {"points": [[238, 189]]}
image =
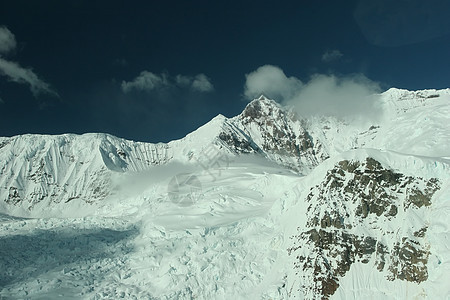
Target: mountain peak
{"points": [[261, 107], [262, 97]]}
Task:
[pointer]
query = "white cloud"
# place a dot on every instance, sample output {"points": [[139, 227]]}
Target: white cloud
{"points": [[272, 82], [348, 96], [16, 73], [183, 81], [202, 83], [7, 40], [148, 81], [331, 55]]}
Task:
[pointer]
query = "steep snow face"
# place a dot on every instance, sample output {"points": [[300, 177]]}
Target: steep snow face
{"points": [[44, 170], [54, 169]]}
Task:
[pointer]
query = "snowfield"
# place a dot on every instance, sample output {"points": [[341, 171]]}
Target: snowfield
{"points": [[259, 206], [148, 246]]}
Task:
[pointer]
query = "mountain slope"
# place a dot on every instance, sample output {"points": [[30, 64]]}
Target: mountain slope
{"points": [[264, 205], [54, 169], [363, 211]]}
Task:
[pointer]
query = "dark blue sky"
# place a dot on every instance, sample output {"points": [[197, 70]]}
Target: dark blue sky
{"points": [[156, 70]]}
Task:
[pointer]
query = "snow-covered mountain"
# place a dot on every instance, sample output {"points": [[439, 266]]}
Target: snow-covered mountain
{"points": [[64, 168], [264, 205]]}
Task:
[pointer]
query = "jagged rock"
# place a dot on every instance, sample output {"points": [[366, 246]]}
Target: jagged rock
{"points": [[239, 145], [267, 128], [409, 260], [353, 195]]}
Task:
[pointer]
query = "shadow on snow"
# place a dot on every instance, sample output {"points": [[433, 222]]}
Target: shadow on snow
{"points": [[26, 257]]}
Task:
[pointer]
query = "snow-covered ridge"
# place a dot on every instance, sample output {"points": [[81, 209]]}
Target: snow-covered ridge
{"points": [[397, 101], [285, 207], [63, 168], [69, 167]]}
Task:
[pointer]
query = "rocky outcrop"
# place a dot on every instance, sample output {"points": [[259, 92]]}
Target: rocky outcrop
{"points": [[357, 197]]}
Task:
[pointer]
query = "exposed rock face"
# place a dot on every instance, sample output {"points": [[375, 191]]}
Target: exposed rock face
{"points": [[357, 197], [239, 145], [277, 129], [265, 127]]}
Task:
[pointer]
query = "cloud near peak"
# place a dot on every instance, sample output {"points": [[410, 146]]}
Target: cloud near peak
{"points": [[353, 95], [147, 81], [272, 82], [340, 96]]}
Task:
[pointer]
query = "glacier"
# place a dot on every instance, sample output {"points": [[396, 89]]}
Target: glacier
{"points": [[264, 205]]}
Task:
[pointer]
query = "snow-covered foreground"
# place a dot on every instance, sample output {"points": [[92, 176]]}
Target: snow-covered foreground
{"points": [[223, 245], [230, 242], [65, 258]]}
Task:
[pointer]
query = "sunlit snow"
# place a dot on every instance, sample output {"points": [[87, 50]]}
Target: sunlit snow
{"points": [[192, 220]]}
